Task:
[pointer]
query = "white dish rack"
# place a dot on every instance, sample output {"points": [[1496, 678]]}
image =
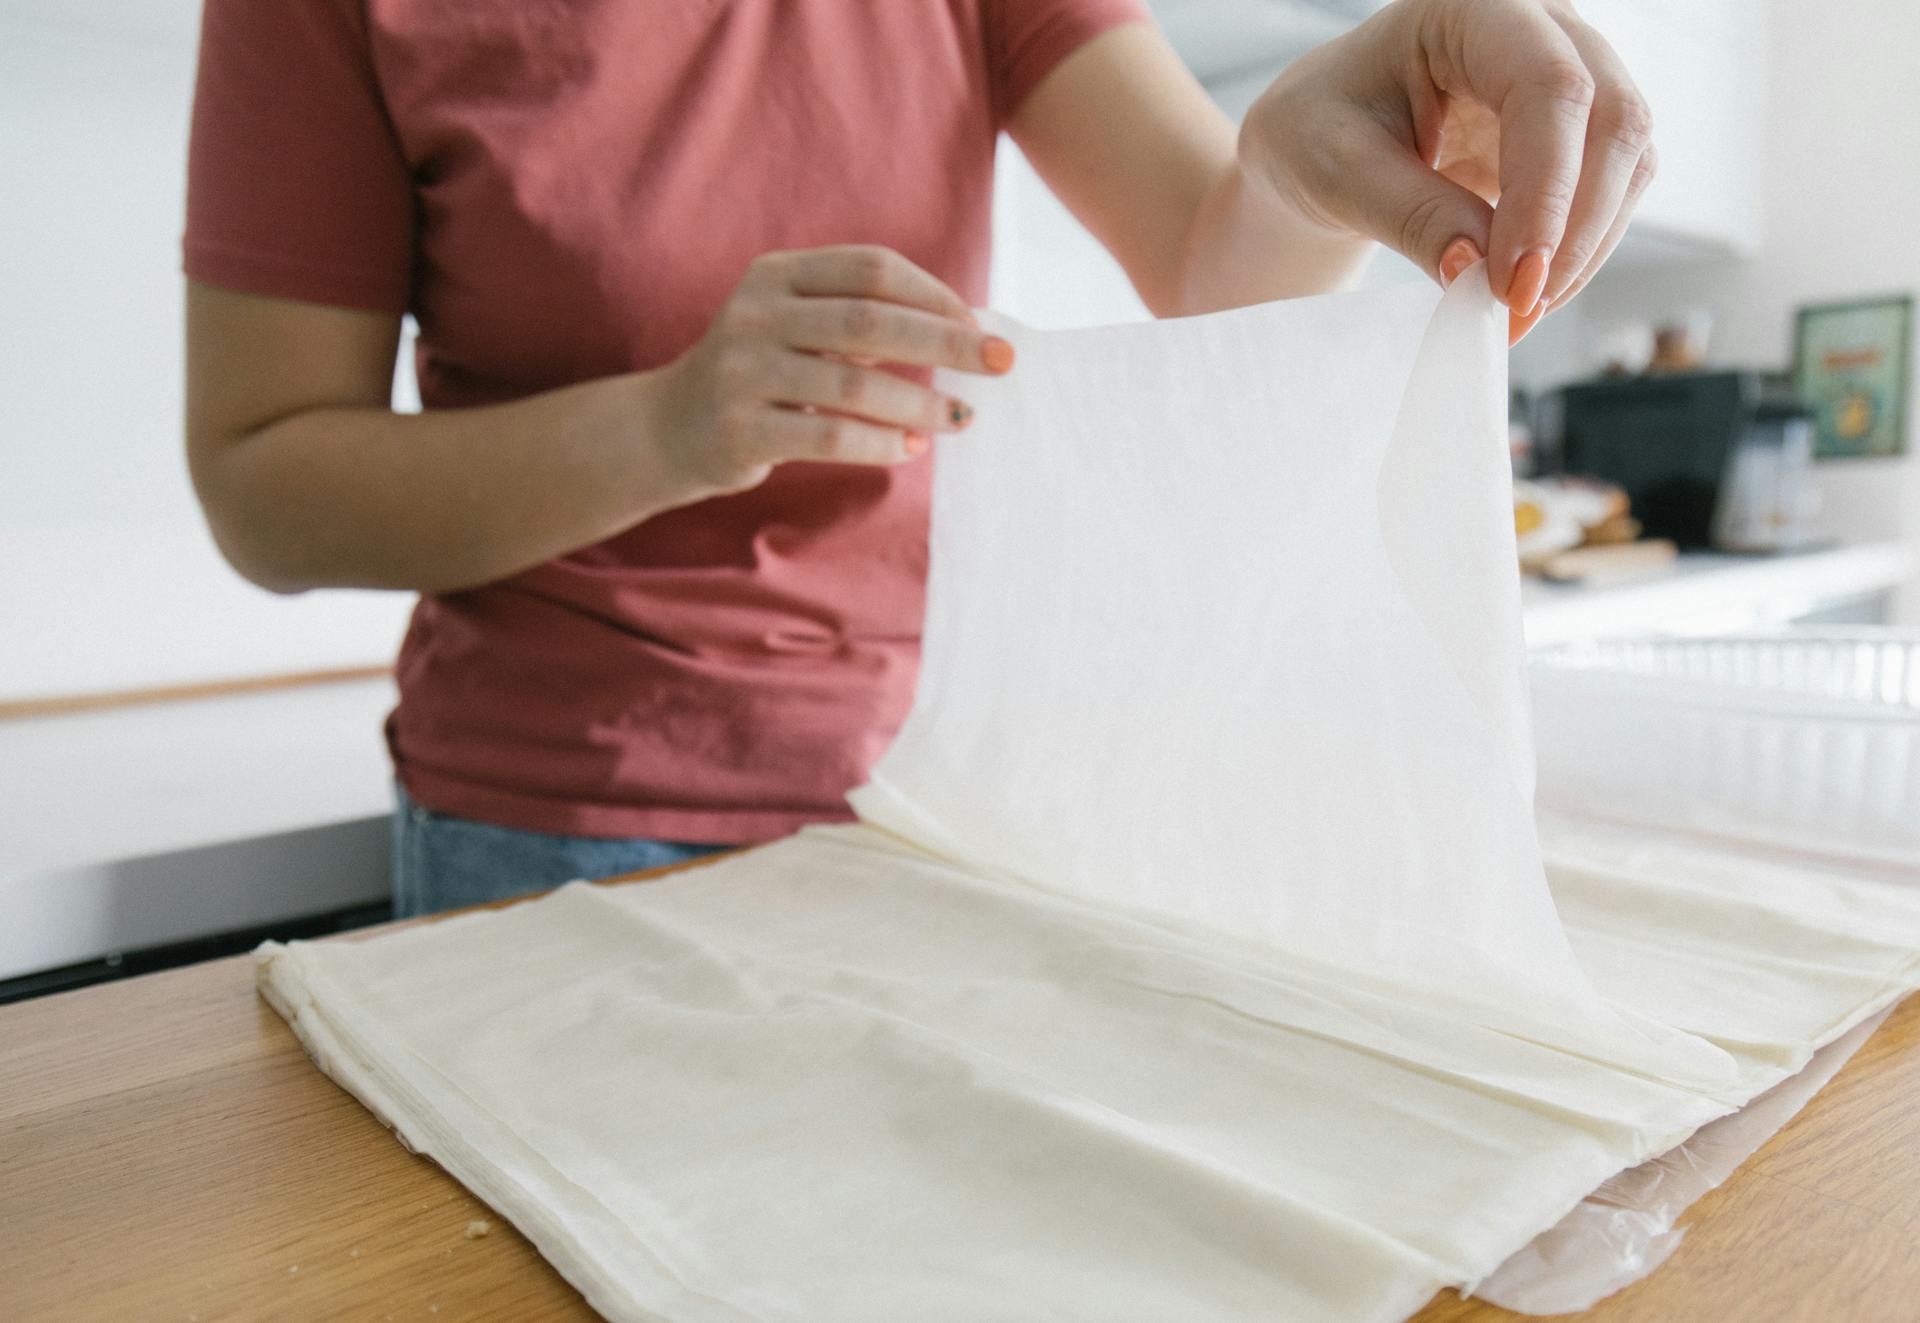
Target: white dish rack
{"points": [[1807, 738]]}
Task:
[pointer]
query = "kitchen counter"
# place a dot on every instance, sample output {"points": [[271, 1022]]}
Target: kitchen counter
{"points": [[130, 827], [1704, 592], [167, 1151]]}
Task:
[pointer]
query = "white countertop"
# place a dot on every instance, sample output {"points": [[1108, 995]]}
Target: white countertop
{"points": [[1706, 593]]}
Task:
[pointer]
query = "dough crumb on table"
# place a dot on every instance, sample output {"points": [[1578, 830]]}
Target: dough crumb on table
{"points": [[478, 1228]]}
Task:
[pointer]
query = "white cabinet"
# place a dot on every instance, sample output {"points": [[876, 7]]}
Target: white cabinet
{"points": [[1702, 66], [136, 826]]}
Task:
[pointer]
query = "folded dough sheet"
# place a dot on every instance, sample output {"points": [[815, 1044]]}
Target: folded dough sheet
{"points": [[1195, 956]]}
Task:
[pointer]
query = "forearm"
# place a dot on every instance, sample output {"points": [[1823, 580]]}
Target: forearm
{"points": [[1137, 150], [337, 496], [1246, 245]]}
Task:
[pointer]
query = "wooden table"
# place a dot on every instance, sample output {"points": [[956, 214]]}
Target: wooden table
{"points": [[167, 1151]]}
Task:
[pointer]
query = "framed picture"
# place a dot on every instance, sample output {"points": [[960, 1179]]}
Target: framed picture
{"points": [[1850, 366]]}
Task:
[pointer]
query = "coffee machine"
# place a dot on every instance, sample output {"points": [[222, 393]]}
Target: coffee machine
{"points": [[1713, 460]]}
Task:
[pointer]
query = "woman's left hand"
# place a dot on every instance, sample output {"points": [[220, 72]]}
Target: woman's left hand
{"points": [[1453, 129]]}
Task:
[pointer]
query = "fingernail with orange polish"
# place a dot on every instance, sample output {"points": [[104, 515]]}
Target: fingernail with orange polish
{"points": [[1518, 325], [997, 354], [1460, 254], [916, 443], [1529, 281]]}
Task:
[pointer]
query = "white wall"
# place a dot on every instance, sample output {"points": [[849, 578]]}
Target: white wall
{"points": [[1841, 192], [145, 824], [111, 580], [94, 141], [1047, 270]]}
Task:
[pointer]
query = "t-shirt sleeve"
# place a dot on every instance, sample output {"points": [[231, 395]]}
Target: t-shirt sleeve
{"points": [[296, 184], [1027, 38]]}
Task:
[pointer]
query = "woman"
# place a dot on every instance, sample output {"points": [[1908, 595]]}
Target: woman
{"points": [[679, 271]]}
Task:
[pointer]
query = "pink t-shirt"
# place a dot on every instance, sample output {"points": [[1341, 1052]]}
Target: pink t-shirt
{"points": [[566, 189]]}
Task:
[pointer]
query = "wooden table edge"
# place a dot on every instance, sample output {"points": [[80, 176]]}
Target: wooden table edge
{"points": [[546, 1295]]}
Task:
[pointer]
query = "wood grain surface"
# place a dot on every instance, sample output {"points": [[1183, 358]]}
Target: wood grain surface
{"points": [[168, 1152], [63, 705]]}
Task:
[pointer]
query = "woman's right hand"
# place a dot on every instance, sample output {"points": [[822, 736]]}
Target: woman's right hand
{"points": [[790, 367]]}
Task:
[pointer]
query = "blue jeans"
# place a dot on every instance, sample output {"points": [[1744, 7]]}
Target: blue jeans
{"points": [[441, 862]]}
